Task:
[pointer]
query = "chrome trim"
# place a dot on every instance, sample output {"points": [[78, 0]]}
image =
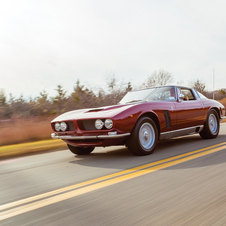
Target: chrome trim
{"points": [[181, 132], [112, 136], [66, 137]]}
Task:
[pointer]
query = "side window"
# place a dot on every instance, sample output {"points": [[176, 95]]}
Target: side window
{"points": [[188, 94]]}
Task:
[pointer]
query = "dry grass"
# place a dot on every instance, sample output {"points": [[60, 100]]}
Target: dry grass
{"points": [[26, 129], [223, 101]]}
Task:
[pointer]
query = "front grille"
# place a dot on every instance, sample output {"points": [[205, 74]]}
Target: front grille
{"points": [[71, 126], [89, 124]]}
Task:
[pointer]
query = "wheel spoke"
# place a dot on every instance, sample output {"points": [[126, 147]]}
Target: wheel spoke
{"points": [[213, 126], [147, 135]]}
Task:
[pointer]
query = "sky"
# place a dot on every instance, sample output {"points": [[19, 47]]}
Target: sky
{"points": [[45, 43]]}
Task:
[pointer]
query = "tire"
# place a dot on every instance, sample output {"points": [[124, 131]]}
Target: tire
{"points": [[211, 126], [143, 138], [79, 150]]}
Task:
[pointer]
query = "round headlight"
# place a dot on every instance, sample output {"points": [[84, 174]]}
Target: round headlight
{"points": [[63, 126], [57, 126], [108, 123], [99, 124]]}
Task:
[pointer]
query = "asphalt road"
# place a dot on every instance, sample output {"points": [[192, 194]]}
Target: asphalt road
{"points": [[182, 183]]}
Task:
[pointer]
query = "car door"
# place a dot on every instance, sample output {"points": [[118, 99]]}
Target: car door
{"points": [[190, 111]]}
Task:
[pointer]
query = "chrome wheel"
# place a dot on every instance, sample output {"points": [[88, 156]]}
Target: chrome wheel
{"points": [[144, 137], [147, 136], [213, 124]]}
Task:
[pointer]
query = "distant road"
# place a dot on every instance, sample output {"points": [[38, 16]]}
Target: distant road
{"points": [[182, 183]]}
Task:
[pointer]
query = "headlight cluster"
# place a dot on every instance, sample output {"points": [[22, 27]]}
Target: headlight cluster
{"points": [[60, 126], [99, 124]]}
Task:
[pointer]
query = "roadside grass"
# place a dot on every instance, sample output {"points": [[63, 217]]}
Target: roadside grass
{"points": [[30, 148], [27, 135], [25, 129], [223, 101]]}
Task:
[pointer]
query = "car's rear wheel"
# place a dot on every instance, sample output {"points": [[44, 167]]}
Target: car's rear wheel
{"points": [[80, 150], [211, 126], [143, 138]]}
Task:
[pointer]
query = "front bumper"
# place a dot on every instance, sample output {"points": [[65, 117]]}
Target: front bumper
{"points": [[109, 136]]}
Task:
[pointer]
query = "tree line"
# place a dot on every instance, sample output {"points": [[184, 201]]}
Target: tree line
{"points": [[43, 104], [84, 97]]}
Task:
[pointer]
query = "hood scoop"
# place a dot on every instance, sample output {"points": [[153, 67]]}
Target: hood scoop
{"points": [[95, 110]]}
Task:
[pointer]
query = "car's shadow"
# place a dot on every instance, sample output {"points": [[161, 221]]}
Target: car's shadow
{"points": [[121, 158]]}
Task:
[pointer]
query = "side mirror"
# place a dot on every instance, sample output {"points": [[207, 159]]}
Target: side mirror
{"points": [[181, 97]]}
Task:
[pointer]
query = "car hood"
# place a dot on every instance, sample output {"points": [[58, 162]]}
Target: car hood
{"points": [[102, 112]]}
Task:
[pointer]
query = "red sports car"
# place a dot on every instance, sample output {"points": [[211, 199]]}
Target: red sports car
{"points": [[140, 119]]}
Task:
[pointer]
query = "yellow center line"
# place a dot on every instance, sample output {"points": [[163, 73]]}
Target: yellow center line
{"points": [[122, 176], [75, 186]]}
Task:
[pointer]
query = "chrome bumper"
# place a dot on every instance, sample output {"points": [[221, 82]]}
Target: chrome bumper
{"points": [[111, 136]]}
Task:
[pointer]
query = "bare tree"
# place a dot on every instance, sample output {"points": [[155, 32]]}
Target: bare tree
{"points": [[160, 77], [198, 85], [111, 81], [116, 89]]}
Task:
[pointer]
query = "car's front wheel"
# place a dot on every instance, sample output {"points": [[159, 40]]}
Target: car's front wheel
{"points": [[211, 126], [80, 150], [143, 138]]}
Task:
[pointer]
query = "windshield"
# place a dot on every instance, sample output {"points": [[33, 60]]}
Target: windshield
{"points": [[166, 93], [138, 95]]}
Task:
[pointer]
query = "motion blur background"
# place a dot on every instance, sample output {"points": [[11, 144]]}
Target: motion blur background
{"points": [[58, 56]]}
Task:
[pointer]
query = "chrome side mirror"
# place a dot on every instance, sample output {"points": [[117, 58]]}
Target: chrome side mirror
{"points": [[181, 97]]}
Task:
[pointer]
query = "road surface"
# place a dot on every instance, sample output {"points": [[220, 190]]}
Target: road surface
{"points": [[182, 183]]}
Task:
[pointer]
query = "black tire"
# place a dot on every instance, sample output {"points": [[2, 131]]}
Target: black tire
{"points": [[144, 137], [80, 150], [211, 126]]}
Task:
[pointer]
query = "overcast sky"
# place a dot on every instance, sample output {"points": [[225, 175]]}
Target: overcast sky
{"points": [[44, 43]]}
